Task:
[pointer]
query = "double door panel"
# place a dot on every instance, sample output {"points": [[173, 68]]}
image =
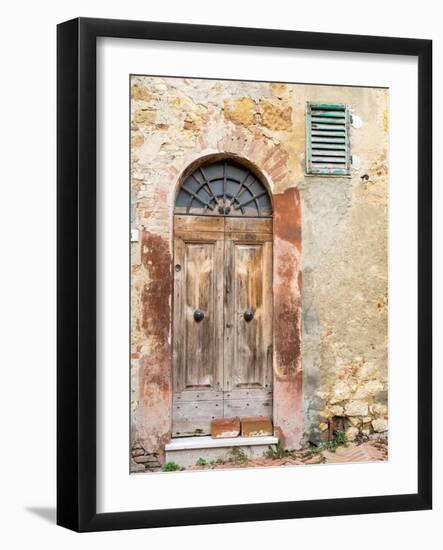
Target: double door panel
{"points": [[222, 330]]}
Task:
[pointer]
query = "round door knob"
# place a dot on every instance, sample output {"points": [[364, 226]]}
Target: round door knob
{"points": [[248, 315], [198, 315]]}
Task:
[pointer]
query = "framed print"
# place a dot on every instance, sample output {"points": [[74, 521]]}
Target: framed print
{"points": [[244, 274]]}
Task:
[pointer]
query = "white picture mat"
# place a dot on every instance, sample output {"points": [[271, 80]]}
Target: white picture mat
{"points": [[116, 489]]}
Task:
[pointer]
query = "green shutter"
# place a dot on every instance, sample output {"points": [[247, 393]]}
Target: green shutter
{"points": [[327, 139]]}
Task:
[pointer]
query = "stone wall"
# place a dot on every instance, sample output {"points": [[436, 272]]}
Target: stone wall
{"points": [[337, 370]]}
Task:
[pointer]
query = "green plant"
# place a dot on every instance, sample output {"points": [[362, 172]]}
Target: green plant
{"points": [[215, 461], [171, 467], [277, 451], [338, 440], [313, 450], [331, 445], [238, 456], [201, 462], [341, 438]]}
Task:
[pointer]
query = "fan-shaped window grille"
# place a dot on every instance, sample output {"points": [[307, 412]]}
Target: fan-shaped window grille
{"points": [[223, 188]]}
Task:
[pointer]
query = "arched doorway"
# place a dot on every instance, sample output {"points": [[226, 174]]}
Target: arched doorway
{"points": [[222, 325]]}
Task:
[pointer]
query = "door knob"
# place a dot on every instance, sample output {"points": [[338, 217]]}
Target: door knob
{"points": [[248, 315], [198, 315]]}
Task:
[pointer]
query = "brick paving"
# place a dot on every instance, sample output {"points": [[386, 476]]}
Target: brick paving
{"points": [[352, 452], [366, 452]]}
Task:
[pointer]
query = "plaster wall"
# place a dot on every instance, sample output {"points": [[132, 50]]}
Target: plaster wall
{"points": [[330, 248]]}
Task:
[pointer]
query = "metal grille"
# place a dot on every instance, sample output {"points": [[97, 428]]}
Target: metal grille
{"points": [[223, 188], [327, 139]]}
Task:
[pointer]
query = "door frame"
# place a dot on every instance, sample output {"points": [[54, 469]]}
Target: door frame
{"points": [[288, 400]]}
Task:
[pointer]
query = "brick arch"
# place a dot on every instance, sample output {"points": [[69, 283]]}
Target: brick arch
{"points": [[266, 159], [263, 153]]}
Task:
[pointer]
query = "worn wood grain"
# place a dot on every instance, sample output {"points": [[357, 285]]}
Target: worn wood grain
{"points": [[184, 224], [197, 395], [248, 345], [249, 394], [200, 294], [198, 346], [243, 407], [248, 225], [194, 417]]}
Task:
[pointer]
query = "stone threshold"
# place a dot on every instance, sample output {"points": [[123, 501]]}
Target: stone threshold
{"points": [[208, 442]]}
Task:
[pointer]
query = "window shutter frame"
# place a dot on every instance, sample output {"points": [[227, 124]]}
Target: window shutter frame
{"points": [[327, 169]]}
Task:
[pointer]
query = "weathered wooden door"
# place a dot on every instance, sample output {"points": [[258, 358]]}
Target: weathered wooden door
{"points": [[247, 381], [222, 329], [198, 324]]}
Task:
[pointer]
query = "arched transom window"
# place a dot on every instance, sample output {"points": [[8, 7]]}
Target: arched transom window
{"points": [[223, 188]]}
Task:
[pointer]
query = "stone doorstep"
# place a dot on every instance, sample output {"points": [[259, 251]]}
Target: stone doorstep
{"points": [[208, 442], [186, 451]]}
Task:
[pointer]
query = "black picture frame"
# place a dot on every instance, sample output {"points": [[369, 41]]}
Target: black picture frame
{"points": [[76, 281]]}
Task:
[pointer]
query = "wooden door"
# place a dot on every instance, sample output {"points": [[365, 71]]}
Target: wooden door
{"points": [[222, 328], [248, 318], [197, 342]]}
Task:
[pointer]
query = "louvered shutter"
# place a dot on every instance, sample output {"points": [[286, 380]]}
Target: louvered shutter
{"points": [[327, 139]]}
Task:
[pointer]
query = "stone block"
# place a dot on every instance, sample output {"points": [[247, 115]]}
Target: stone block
{"points": [[136, 468], [256, 426], [337, 410], [380, 424], [275, 115], [225, 427], [351, 434], [368, 389], [145, 459], [356, 408], [240, 111], [340, 392], [138, 452], [379, 409]]}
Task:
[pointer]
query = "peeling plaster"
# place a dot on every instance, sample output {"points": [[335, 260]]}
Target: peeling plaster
{"points": [[331, 333]]}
